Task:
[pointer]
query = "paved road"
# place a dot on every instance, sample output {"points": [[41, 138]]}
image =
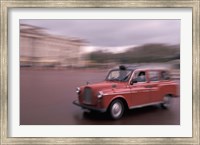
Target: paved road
{"points": [[46, 99]]}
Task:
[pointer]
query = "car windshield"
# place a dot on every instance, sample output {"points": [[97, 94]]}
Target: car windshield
{"points": [[119, 75]]}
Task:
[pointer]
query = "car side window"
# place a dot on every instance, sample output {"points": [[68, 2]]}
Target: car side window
{"points": [[141, 76], [165, 75], [153, 75]]}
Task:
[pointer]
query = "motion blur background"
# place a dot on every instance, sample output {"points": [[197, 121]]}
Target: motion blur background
{"points": [[56, 56], [98, 43]]}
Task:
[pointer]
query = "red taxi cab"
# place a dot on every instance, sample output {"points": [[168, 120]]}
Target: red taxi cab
{"points": [[128, 87]]}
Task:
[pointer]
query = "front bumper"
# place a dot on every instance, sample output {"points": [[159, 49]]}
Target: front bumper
{"points": [[89, 107]]}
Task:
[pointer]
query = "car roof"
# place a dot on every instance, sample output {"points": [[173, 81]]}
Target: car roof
{"points": [[140, 67]]}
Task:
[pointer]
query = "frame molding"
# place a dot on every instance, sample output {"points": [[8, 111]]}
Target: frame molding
{"points": [[7, 4]]}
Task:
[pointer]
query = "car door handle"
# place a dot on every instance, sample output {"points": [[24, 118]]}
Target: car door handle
{"points": [[148, 86]]}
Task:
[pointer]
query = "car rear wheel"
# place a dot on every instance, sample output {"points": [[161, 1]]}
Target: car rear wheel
{"points": [[116, 109], [166, 102]]}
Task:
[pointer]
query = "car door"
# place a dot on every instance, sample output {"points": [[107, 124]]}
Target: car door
{"points": [[154, 86], [139, 91]]}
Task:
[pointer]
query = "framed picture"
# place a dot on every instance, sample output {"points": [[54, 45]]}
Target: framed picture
{"points": [[34, 37]]}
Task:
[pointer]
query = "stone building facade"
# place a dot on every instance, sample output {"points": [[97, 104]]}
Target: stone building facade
{"points": [[38, 48]]}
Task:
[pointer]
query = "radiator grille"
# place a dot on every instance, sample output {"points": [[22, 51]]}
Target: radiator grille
{"points": [[87, 96]]}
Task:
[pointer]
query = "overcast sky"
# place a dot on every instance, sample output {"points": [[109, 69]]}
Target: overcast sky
{"points": [[114, 32]]}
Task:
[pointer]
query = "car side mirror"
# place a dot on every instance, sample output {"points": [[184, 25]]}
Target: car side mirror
{"points": [[133, 81]]}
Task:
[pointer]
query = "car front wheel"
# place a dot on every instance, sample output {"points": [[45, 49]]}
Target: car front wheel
{"points": [[116, 109]]}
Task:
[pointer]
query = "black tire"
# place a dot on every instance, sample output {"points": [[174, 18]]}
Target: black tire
{"points": [[166, 102], [116, 109]]}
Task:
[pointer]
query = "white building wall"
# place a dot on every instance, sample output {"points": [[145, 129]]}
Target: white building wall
{"points": [[42, 48]]}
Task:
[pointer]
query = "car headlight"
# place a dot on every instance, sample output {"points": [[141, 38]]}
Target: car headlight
{"points": [[78, 90], [100, 94]]}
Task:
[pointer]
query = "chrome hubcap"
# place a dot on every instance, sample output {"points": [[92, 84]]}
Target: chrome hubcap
{"points": [[116, 109]]}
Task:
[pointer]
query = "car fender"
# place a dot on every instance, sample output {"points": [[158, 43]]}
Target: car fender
{"points": [[119, 97]]}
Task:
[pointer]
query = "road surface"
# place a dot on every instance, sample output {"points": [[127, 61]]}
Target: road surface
{"points": [[46, 99]]}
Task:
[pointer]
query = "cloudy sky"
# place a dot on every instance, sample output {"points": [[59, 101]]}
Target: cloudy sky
{"points": [[114, 32]]}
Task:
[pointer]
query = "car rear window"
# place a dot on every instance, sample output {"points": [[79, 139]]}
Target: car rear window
{"points": [[165, 75]]}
